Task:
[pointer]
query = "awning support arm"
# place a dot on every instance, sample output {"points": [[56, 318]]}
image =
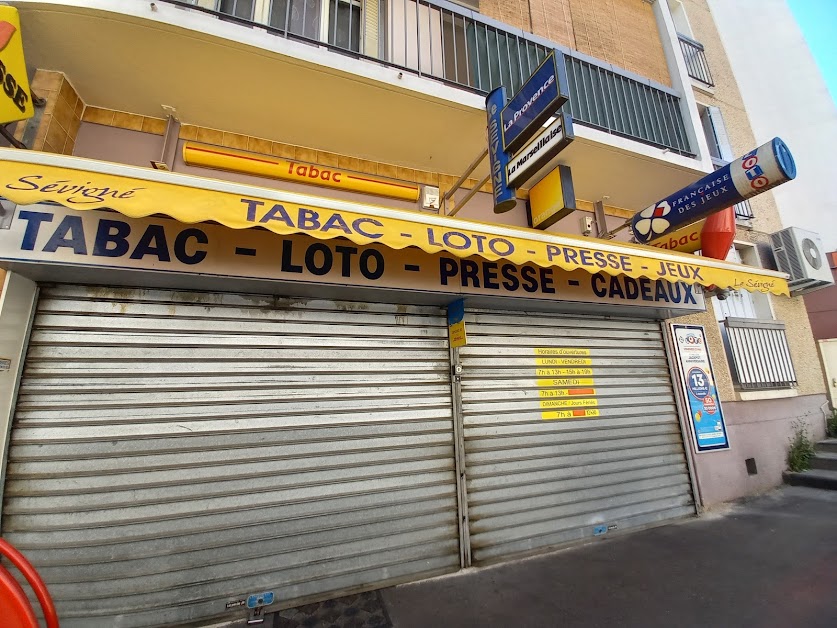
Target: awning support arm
{"points": [[449, 194], [469, 195]]}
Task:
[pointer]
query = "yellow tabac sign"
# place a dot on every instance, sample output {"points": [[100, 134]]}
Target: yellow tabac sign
{"points": [[15, 97], [298, 172]]}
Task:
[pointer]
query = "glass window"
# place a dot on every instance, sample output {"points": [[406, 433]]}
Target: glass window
{"points": [[238, 8], [344, 24], [299, 17]]}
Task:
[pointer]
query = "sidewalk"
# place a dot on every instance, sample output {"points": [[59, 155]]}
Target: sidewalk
{"points": [[768, 563]]}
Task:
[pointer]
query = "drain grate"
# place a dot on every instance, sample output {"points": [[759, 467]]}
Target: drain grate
{"points": [[363, 610]]}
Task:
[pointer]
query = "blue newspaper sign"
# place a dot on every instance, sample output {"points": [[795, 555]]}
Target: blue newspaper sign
{"points": [[543, 94], [706, 416], [762, 169], [456, 323], [504, 197]]}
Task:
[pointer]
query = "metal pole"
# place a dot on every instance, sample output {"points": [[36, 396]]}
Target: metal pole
{"points": [[610, 234], [468, 171], [469, 195]]}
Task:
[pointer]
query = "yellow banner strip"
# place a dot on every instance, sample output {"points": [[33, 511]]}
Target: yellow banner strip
{"points": [[299, 172], [28, 177]]}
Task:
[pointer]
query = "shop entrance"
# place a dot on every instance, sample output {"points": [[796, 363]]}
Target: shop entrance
{"points": [[570, 430], [173, 452]]}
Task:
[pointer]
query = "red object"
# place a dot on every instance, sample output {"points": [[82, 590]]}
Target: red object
{"points": [[7, 29], [718, 234], [17, 612]]}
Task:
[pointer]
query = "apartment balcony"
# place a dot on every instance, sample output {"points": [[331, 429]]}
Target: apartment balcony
{"points": [[695, 57], [396, 81], [744, 214], [759, 353]]}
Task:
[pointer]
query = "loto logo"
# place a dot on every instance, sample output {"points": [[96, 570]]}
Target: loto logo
{"points": [[754, 172], [652, 219], [690, 339]]}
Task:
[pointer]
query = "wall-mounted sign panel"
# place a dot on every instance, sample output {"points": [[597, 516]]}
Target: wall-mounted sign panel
{"points": [[498, 159], [15, 97], [456, 324], [543, 94], [552, 198], [685, 240], [232, 160], [58, 236], [537, 153], [706, 417], [758, 171]]}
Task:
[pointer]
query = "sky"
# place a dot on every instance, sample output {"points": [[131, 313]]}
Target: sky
{"points": [[818, 21]]}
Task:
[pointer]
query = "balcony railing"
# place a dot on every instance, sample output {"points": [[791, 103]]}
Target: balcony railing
{"points": [[695, 57], [743, 212], [759, 353], [461, 47]]}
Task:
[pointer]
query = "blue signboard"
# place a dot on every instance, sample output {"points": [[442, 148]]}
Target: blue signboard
{"points": [[706, 416], [504, 197], [759, 170], [456, 323], [540, 97]]}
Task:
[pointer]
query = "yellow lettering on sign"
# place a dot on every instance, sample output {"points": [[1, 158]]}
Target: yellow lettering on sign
{"points": [[554, 372], [563, 381], [568, 403], [561, 351], [563, 361], [567, 392], [569, 414]]}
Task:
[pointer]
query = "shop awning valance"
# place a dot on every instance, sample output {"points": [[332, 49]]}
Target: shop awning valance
{"points": [[28, 177]]}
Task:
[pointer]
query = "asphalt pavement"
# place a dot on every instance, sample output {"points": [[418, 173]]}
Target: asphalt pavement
{"points": [[770, 562]]}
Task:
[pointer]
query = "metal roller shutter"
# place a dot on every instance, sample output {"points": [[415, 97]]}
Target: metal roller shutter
{"points": [[534, 482], [173, 451]]}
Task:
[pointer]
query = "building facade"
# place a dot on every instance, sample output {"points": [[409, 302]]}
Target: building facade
{"points": [[768, 32], [234, 253]]}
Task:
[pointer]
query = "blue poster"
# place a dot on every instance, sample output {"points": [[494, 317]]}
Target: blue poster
{"points": [[705, 413]]}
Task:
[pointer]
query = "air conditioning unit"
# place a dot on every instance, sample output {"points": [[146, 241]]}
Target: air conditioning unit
{"points": [[800, 254]]}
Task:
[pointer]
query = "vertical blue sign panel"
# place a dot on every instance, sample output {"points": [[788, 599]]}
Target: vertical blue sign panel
{"points": [[698, 380], [759, 170], [543, 94], [456, 311], [504, 197]]}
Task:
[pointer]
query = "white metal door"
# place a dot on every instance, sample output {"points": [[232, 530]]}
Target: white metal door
{"points": [[173, 452], [534, 481], [828, 351]]}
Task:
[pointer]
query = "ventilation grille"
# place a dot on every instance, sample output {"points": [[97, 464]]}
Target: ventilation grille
{"points": [[799, 254]]}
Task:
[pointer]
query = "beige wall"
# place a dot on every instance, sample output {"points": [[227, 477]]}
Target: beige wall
{"points": [[621, 32], [726, 96], [759, 430]]}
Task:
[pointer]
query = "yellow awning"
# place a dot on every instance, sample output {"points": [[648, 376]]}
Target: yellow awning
{"points": [[28, 177]]}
